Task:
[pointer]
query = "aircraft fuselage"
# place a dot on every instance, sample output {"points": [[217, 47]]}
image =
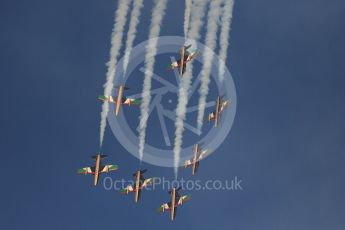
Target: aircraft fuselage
{"points": [[119, 100], [182, 61], [97, 166], [196, 150], [173, 195], [217, 112], [137, 186]]}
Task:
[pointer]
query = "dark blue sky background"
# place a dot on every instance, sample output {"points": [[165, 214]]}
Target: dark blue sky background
{"points": [[287, 142]]}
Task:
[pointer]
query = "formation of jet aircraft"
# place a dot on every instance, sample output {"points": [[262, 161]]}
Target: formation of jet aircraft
{"points": [[140, 182]]}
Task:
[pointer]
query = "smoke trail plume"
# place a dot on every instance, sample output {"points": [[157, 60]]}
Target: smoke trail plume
{"points": [[180, 117], [224, 35], [193, 35], [187, 13], [151, 50], [210, 42], [132, 31], [120, 21]]}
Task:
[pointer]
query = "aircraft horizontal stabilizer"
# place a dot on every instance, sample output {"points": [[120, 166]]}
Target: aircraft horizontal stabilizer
{"points": [[102, 156], [124, 87]]}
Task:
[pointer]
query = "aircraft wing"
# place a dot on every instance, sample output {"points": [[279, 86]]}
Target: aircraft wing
{"points": [[202, 155], [224, 105], [128, 189], [191, 56], [86, 170], [183, 199], [211, 116], [132, 101], [110, 99], [164, 207], [173, 65], [108, 168], [188, 163], [148, 182]]}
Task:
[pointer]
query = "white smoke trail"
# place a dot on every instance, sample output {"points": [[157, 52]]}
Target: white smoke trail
{"points": [[116, 41], [181, 116], [224, 36], [187, 13], [193, 35], [210, 42], [132, 31], [196, 20], [151, 50]]}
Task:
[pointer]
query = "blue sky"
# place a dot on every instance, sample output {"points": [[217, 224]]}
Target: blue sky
{"points": [[287, 141]]}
